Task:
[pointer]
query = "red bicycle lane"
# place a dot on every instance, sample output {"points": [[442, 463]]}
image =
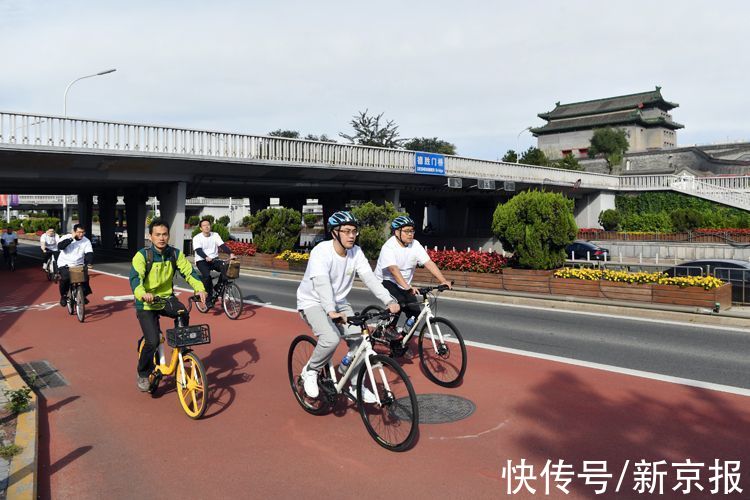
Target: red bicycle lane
{"points": [[100, 436]]}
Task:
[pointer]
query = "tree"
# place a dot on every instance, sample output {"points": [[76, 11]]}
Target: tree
{"points": [[610, 219], [220, 229], [430, 145], [534, 156], [276, 229], [536, 226], [510, 157], [224, 220], [686, 219], [310, 220], [321, 138], [289, 134], [568, 162], [368, 131], [374, 220], [610, 142]]}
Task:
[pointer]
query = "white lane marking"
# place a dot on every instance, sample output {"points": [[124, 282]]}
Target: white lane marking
{"points": [[615, 369], [119, 298], [471, 436], [548, 357]]}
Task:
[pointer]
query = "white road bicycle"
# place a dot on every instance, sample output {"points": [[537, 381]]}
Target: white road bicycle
{"points": [[393, 419], [442, 351]]}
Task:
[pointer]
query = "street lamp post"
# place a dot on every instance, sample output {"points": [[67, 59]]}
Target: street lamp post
{"points": [[518, 153], [65, 96]]}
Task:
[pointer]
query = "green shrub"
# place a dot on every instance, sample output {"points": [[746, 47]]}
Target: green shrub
{"points": [[310, 220], [193, 220], [610, 219], [276, 229], [224, 220], [8, 451], [220, 229], [374, 220], [536, 227], [209, 217], [95, 218], [39, 224], [649, 222], [686, 219], [247, 220], [18, 400]]}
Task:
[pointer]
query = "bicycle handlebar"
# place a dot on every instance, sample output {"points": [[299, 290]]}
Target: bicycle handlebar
{"points": [[361, 319], [440, 288]]}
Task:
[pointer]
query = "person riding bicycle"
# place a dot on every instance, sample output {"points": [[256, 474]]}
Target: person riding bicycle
{"points": [[75, 250], [398, 259], [322, 296], [206, 246], [151, 274], [48, 242], [9, 242]]}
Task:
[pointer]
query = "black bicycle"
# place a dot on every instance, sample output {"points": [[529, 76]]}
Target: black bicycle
{"points": [[10, 253], [76, 300], [226, 290]]}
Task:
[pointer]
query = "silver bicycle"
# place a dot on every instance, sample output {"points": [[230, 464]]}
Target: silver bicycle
{"points": [[393, 418], [442, 351]]}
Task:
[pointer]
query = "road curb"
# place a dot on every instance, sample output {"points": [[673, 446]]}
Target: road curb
{"points": [[22, 479]]}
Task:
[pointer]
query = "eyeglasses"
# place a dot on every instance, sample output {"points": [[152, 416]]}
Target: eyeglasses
{"points": [[353, 232], [407, 231]]}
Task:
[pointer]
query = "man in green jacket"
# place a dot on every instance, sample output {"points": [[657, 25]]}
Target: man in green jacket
{"points": [[151, 274]]}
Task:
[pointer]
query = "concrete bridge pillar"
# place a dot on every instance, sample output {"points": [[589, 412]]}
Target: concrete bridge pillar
{"points": [[172, 203], [135, 214], [107, 201], [293, 201], [331, 204], [415, 209], [258, 203], [588, 208], [85, 212]]}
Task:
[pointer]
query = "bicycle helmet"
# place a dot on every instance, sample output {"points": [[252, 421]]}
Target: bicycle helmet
{"points": [[342, 218], [401, 221]]}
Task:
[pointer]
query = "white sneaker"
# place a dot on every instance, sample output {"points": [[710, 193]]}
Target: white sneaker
{"points": [[310, 382], [367, 395]]}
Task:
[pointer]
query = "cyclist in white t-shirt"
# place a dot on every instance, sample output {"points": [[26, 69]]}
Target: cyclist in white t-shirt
{"points": [[48, 242], [75, 250], [206, 246], [322, 296], [9, 240], [398, 259]]}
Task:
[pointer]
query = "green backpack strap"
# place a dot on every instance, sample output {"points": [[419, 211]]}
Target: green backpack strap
{"points": [[150, 260]]}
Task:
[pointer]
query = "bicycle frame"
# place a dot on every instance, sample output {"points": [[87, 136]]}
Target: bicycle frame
{"points": [[365, 348], [426, 313], [175, 360]]}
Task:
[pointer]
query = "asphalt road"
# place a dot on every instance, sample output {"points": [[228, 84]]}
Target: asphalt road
{"points": [[715, 355]]}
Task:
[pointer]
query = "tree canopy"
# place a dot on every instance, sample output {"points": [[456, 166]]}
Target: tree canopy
{"points": [[370, 131], [610, 142], [430, 145]]}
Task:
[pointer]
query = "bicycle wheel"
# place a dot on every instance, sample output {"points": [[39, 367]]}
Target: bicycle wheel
{"points": [[192, 389], [12, 262], [80, 304], [202, 308], [232, 301], [393, 422], [71, 301], [442, 362], [299, 354]]}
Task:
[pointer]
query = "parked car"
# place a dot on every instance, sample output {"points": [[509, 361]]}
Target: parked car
{"points": [[581, 250], [736, 272]]}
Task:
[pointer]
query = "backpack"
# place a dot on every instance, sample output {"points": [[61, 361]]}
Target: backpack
{"points": [[150, 260]]}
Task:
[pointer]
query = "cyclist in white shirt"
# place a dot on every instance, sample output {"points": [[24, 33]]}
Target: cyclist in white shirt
{"points": [[9, 241], [75, 250], [206, 246], [322, 296], [48, 242], [397, 261]]}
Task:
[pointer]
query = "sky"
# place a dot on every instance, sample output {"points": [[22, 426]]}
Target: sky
{"points": [[474, 73]]}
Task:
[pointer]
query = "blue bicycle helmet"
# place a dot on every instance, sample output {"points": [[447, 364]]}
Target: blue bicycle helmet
{"points": [[401, 221], [342, 218]]}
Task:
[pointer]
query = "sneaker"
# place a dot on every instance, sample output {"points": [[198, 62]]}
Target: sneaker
{"points": [[143, 383], [367, 395], [310, 382], [63, 301]]}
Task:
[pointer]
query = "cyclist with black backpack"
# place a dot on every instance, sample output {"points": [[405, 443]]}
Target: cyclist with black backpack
{"points": [[151, 275]]}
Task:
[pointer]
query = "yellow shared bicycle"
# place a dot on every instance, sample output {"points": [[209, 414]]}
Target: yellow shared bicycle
{"points": [[184, 364]]}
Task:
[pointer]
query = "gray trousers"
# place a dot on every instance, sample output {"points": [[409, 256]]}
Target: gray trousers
{"points": [[329, 335]]}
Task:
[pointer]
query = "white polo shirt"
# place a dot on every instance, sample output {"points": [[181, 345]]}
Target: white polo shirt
{"points": [[324, 261], [406, 258], [73, 254], [210, 245], [49, 242]]}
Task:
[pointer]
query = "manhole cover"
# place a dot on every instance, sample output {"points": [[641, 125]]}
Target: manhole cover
{"points": [[437, 408], [42, 375]]}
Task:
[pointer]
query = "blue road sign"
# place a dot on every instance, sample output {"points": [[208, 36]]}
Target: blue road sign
{"points": [[429, 163]]}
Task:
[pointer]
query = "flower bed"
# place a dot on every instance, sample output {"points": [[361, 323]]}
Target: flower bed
{"points": [[473, 261], [705, 282], [239, 248]]}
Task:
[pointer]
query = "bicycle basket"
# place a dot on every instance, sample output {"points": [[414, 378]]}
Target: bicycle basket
{"points": [[76, 274], [188, 335], [233, 270]]}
